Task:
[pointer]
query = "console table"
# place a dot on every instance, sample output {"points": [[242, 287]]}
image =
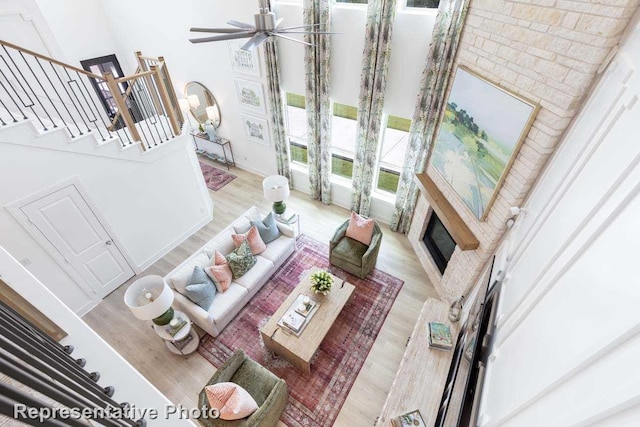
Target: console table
{"points": [[221, 142], [422, 374]]}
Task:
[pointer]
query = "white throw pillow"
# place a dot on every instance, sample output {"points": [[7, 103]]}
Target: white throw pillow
{"points": [[180, 277]]}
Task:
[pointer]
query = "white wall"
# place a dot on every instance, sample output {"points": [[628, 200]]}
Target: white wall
{"points": [[130, 386], [151, 207], [568, 324]]}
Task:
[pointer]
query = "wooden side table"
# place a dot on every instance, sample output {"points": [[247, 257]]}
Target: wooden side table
{"points": [[221, 142], [174, 343]]}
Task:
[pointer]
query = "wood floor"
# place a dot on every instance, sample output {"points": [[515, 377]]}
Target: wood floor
{"points": [[181, 378]]}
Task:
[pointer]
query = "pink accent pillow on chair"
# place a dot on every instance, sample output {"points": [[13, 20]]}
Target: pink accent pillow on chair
{"points": [[219, 272], [360, 228], [256, 243], [231, 400]]}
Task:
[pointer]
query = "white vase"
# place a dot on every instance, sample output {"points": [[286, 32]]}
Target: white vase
{"points": [[211, 132]]}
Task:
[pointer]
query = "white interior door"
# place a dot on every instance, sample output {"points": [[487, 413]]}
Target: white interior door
{"points": [[65, 219]]}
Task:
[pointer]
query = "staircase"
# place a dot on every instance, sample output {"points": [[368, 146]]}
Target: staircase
{"points": [[49, 104]]}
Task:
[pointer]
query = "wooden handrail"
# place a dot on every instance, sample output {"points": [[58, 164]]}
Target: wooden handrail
{"points": [[54, 61], [122, 108], [125, 96], [150, 58], [134, 76]]}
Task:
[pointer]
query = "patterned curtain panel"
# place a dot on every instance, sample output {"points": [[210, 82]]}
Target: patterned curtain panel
{"points": [[375, 63], [316, 63], [277, 107], [429, 106]]}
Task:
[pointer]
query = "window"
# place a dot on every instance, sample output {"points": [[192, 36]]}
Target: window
{"points": [[344, 129], [296, 117], [394, 145], [424, 4]]}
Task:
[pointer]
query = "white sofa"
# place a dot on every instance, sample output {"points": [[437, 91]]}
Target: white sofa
{"points": [[226, 305]]}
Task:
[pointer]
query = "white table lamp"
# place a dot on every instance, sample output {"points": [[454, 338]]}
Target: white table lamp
{"points": [[194, 101], [186, 107], [276, 190], [213, 115], [150, 298]]}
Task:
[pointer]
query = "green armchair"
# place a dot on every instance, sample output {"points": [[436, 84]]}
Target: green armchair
{"points": [[353, 256], [269, 391]]}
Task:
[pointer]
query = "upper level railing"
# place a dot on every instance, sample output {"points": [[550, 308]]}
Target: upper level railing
{"points": [[140, 108]]}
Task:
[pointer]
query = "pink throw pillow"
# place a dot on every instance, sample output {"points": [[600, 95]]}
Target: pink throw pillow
{"points": [[231, 400], [256, 243], [360, 228], [219, 272]]}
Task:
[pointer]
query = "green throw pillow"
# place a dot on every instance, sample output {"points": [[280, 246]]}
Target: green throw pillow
{"points": [[241, 260], [267, 228], [200, 288]]}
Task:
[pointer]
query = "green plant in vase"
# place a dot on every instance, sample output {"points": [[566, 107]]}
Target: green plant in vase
{"points": [[321, 282]]}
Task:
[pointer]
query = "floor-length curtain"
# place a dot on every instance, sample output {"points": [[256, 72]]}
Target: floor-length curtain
{"points": [[375, 64], [429, 106], [318, 103], [277, 107]]}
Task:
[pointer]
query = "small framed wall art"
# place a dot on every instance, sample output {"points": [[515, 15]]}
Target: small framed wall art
{"points": [[256, 129], [242, 61], [251, 96]]}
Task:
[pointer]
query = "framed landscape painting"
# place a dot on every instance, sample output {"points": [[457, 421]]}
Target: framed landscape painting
{"points": [[250, 96], [256, 130], [242, 61], [480, 134]]}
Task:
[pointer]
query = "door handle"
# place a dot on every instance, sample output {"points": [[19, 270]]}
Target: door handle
{"points": [[108, 242]]}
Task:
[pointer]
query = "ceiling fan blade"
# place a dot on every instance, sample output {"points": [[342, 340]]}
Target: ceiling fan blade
{"points": [[306, 32], [254, 42], [279, 21], [223, 37], [300, 26], [216, 30], [290, 38], [241, 25]]}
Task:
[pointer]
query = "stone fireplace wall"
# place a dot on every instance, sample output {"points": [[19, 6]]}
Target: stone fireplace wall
{"points": [[548, 51]]}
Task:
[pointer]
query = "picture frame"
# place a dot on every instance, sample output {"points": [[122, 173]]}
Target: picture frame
{"points": [[242, 61], [256, 129], [251, 96], [480, 133]]}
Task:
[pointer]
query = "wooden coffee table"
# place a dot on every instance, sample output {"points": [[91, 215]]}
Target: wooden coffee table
{"points": [[300, 350]]}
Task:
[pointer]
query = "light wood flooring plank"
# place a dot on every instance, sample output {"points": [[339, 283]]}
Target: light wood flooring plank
{"points": [[181, 378]]}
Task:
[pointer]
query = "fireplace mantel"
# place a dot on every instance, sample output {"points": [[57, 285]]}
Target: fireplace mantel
{"points": [[461, 233]]}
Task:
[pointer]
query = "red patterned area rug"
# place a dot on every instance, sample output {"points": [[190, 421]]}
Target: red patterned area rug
{"points": [[314, 400], [214, 177]]}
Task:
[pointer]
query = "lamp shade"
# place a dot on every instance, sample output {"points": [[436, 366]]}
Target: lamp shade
{"points": [[275, 188], [184, 104], [212, 114], [194, 101], [148, 297]]}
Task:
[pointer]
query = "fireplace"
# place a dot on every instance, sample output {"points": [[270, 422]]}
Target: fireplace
{"points": [[439, 242]]}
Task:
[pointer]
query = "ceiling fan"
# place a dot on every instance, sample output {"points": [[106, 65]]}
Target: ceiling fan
{"points": [[266, 25]]}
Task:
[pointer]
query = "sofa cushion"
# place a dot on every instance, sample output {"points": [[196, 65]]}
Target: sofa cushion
{"points": [[350, 250], [253, 237], [242, 224], [219, 272], [267, 228], [360, 228], [223, 305], [257, 275], [233, 401], [179, 278], [278, 248], [222, 242], [241, 260], [200, 288]]}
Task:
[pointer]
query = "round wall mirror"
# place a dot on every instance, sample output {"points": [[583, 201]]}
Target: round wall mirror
{"points": [[202, 104]]}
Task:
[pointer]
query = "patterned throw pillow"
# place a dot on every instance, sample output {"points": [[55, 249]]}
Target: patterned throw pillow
{"points": [[219, 272], [231, 400], [200, 288], [267, 228], [241, 260], [360, 228], [254, 239]]}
